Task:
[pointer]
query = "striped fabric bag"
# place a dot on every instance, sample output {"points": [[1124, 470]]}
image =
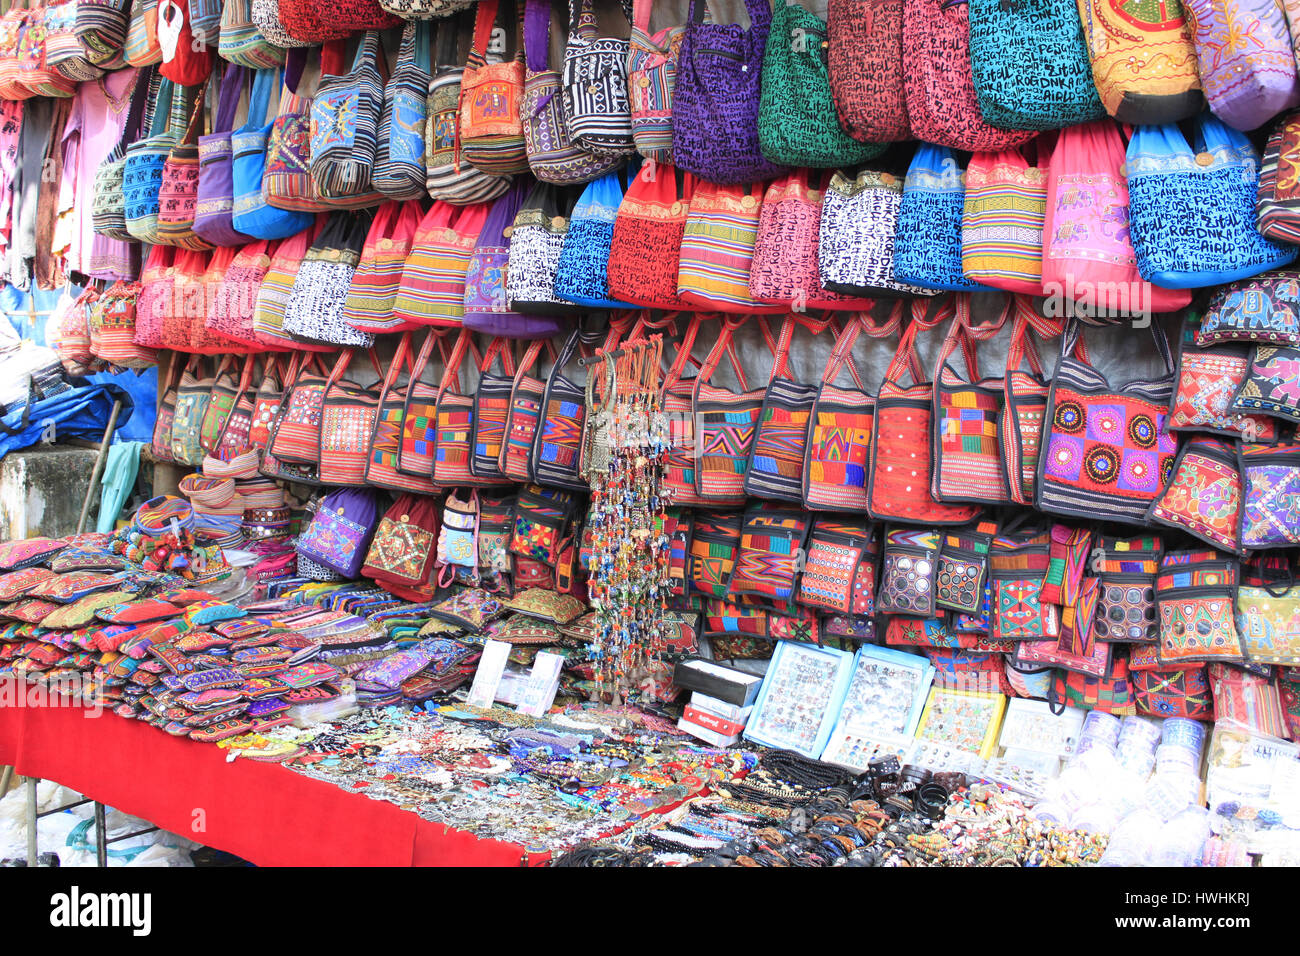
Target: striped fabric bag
{"points": [[277, 289], [375, 284], [563, 412], [526, 392], [399, 171], [651, 75], [1277, 204], [1020, 428], [678, 482], [288, 182], [776, 460], [454, 418], [345, 128], [1002, 222], [432, 288], [141, 47], [415, 457], [491, 124], [595, 84], [242, 43], [725, 423], [491, 411], [718, 249], [101, 30]]}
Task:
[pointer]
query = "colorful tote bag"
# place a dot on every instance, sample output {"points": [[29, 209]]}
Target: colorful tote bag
{"points": [[1020, 426], [962, 568], [1195, 599], [927, 244], [297, 433], [899, 479], [1018, 566], [377, 280], [596, 106], [242, 43], [768, 558], [288, 182], [1264, 309], [536, 241], [1277, 204], [320, 290], [797, 122], [1213, 188], [1173, 692], [1112, 693], [1271, 385], [839, 572], [680, 460], [561, 416], [492, 406], [942, 107], [1206, 382], [142, 173], [909, 563], [1204, 495], [399, 171], [717, 249], [968, 464], [345, 130], [1002, 221], [347, 424], [403, 550], [837, 443], [453, 420], [215, 195], [1030, 65], [716, 97], [1143, 61], [420, 413], [491, 125], [192, 397], [178, 192], [1107, 452], [855, 252], [341, 530], [252, 215], [645, 248], [277, 289], [776, 458], [865, 56], [431, 290], [1246, 85], [715, 541], [1269, 619], [386, 439], [1270, 492], [582, 274], [1088, 257], [725, 424], [651, 76], [526, 393]]}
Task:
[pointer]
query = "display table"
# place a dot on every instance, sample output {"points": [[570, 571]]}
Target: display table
{"points": [[262, 812]]}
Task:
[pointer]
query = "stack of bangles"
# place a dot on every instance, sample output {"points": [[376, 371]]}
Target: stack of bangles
{"points": [[831, 838]]}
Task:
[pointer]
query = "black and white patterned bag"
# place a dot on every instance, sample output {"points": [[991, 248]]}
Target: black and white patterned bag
{"points": [[535, 244], [855, 251], [315, 310], [595, 84]]}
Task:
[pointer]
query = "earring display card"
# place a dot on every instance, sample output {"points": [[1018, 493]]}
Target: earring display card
{"points": [[965, 719], [488, 676], [800, 697]]}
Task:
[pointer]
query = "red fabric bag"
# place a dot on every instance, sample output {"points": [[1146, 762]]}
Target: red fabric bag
{"points": [[347, 422], [645, 251]]}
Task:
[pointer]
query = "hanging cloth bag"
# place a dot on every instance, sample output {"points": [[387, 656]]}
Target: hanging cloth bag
{"points": [[866, 68], [491, 123], [596, 106], [345, 128], [645, 250], [927, 244], [386, 439], [431, 290], [1002, 222], [178, 194], [347, 422], [1247, 82], [582, 274], [651, 76], [526, 393], [251, 213], [320, 291], [375, 284], [399, 171], [215, 194], [717, 249]]}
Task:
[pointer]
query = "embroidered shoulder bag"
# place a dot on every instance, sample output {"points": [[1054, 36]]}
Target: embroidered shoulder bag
{"points": [[348, 413], [491, 124]]}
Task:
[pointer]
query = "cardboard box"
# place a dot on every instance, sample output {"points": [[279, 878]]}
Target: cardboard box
{"points": [[726, 684]]}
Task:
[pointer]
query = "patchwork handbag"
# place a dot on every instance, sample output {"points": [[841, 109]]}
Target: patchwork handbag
{"points": [[431, 290], [839, 571], [717, 249], [651, 76], [320, 290], [1206, 383], [725, 424], [776, 457], [645, 248], [865, 56], [1126, 569], [961, 575], [716, 97], [249, 144], [909, 565], [447, 178], [1030, 65], [784, 267], [536, 240], [855, 252], [1122, 49], [837, 446], [797, 121], [582, 273], [1264, 310], [1018, 565], [385, 445], [214, 196], [339, 535], [453, 420], [526, 394], [221, 401], [492, 406], [347, 423], [420, 413], [1271, 385], [899, 479], [1074, 649], [403, 550], [1112, 693], [1002, 221], [928, 240], [1195, 595], [1270, 496], [968, 465], [1087, 255], [769, 557], [288, 182], [1269, 623], [1204, 496], [345, 129], [1192, 211], [596, 106], [487, 307], [542, 517], [297, 432], [942, 106], [1277, 204], [1020, 426], [715, 541], [1107, 451], [242, 43], [1246, 86], [491, 124], [399, 171], [378, 277], [161, 445], [561, 416]]}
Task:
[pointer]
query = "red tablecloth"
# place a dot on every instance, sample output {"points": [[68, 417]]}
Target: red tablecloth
{"points": [[259, 811]]}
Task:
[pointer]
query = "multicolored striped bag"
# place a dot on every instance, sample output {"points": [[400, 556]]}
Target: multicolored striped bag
{"points": [[1020, 426], [420, 412], [492, 409], [563, 412], [347, 422], [1277, 205], [454, 418], [769, 556], [1002, 222], [715, 541], [491, 122], [678, 482], [242, 43], [717, 249], [432, 288], [651, 75], [276, 290], [399, 171], [345, 130], [369, 306], [725, 423], [526, 391], [297, 432]]}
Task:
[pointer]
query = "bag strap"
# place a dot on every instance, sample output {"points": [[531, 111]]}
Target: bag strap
{"points": [[228, 100], [146, 83], [531, 355], [451, 375], [842, 353], [161, 108], [196, 114], [401, 357], [483, 23], [537, 35], [781, 357], [497, 348]]}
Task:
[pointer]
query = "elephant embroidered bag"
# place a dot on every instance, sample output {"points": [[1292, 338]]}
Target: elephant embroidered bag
{"points": [[1265, 310], [1207, 380], [716, 97], [942, 107], [1030, 65], [1193, 211], [1270, 482], [491, 124], [1269, 623], [866, 68], [1246, 84], [1107, 451], [927, 244], [1271, 385], [797, 121], [1203, 497]]}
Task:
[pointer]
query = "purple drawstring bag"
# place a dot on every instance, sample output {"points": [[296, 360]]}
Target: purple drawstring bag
{"points": [[215, 204], [340, 531], [1247, 66], [487, 308], [716, 97]]}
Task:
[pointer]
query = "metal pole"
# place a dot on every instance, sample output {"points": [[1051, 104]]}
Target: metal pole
{"points": [[101, 838], [32, 852], [6, 776], [99, 465]]}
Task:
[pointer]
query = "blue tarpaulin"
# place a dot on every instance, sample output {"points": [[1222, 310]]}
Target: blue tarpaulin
{"points": [[81, 413]]}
